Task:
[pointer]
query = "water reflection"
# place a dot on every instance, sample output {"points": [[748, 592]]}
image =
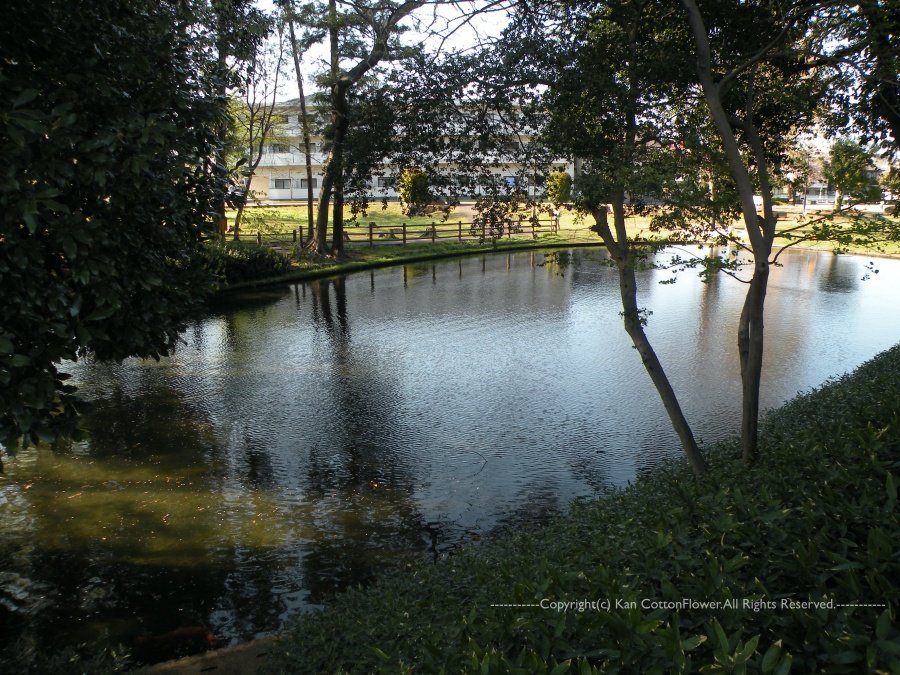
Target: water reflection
{"points": [[363, 489], [312, 435]]}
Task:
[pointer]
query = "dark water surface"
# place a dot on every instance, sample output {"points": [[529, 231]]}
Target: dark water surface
{"points": [[308, 436]]}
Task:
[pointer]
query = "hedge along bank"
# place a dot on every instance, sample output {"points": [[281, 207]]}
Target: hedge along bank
{"points": [[789, 565]]}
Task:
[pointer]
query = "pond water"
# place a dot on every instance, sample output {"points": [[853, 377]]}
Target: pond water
{"points": [[306, 437]]}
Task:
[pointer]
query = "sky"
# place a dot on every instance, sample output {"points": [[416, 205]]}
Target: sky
{"points": [[444, 18]]}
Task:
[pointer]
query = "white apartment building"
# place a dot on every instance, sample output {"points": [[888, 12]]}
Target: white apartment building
{"points": [[281, 174]]}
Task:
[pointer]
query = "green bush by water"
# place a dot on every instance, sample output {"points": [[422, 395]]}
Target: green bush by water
{"points": [[233, 262], [799, 551]]}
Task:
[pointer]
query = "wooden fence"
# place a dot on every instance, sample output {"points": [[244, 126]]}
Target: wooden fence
{"points": [[372, 234]]}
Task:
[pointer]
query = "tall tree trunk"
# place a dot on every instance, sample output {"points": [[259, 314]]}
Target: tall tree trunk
{"points": [[222, 128], [334, 163], [238, 217], [304, 126], [341, 125], [760, 229]]}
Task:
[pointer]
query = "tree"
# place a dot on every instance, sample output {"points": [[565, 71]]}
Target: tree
{"points": [[848, 169], [232, 28], [756, 94], [413, 189], [254, 114], [361, 37], [609, 70], [857, 41], [310, 36], [559, 187], [104, 198]]}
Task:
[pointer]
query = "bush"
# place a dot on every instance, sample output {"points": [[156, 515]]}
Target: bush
{"points": [[559, 188], [813, 520], [233, 262], [413, 189]]}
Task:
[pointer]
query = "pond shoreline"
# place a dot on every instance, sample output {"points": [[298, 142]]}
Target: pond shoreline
{"points": [[348, 267], [449, 619]]}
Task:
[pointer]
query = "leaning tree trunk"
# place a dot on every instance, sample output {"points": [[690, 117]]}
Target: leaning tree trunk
{"points": [[622, 254]]}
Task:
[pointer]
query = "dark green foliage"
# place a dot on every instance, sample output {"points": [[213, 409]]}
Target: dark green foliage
{"points": [[233, 262], [105, 187], [815, 519]]}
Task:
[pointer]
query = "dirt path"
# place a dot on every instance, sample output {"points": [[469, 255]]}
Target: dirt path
{"points": [[248, 658]]}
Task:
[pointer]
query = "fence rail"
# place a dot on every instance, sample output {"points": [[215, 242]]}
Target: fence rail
{"points": [[372, 234]]}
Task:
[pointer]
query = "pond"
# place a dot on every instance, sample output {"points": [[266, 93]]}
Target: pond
{"points": [[306, 437]]}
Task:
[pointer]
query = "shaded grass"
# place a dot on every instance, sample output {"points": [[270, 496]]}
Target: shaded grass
{"points": [[813, 520]]}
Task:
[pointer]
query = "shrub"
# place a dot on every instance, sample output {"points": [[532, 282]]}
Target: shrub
{"points": [[233, 262], [559, 188], [413, 189]]}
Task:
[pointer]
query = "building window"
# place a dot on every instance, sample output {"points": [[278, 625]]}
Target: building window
{"points": [[281, 183], [304, 183], [280, 147], [383, 182]]}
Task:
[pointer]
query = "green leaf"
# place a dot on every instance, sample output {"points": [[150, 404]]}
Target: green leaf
{"points": [[744, 653], [785, 666], [720, 637], [770, 659], [883, 625], [26, 96], [693, 642]]}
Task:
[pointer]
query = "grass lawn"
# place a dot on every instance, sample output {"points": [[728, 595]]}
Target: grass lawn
{"points": [[271, 220]]}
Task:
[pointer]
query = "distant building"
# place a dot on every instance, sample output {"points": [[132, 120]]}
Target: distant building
{"points": [[281, 174]]}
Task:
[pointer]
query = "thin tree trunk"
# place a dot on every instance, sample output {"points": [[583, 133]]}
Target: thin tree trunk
{"points": [[621, 251], [238, 217], [304, 125]]}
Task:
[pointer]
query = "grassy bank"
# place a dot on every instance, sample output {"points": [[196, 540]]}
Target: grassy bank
{"points": [[246, 270], [814, 520], [363, 257]]}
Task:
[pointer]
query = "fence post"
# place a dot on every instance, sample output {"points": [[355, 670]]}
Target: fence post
{"points": [[433, 231], [259, 238], [533, 235], [371, 230], [509, 226], [483, 233], [460, 230], [294, 235], [404, 234]]}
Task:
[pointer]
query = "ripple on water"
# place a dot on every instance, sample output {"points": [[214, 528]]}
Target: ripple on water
{"points": [[303, 440]]}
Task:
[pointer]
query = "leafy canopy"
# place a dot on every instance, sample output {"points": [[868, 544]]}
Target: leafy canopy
{"points": [[106, 191]]}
